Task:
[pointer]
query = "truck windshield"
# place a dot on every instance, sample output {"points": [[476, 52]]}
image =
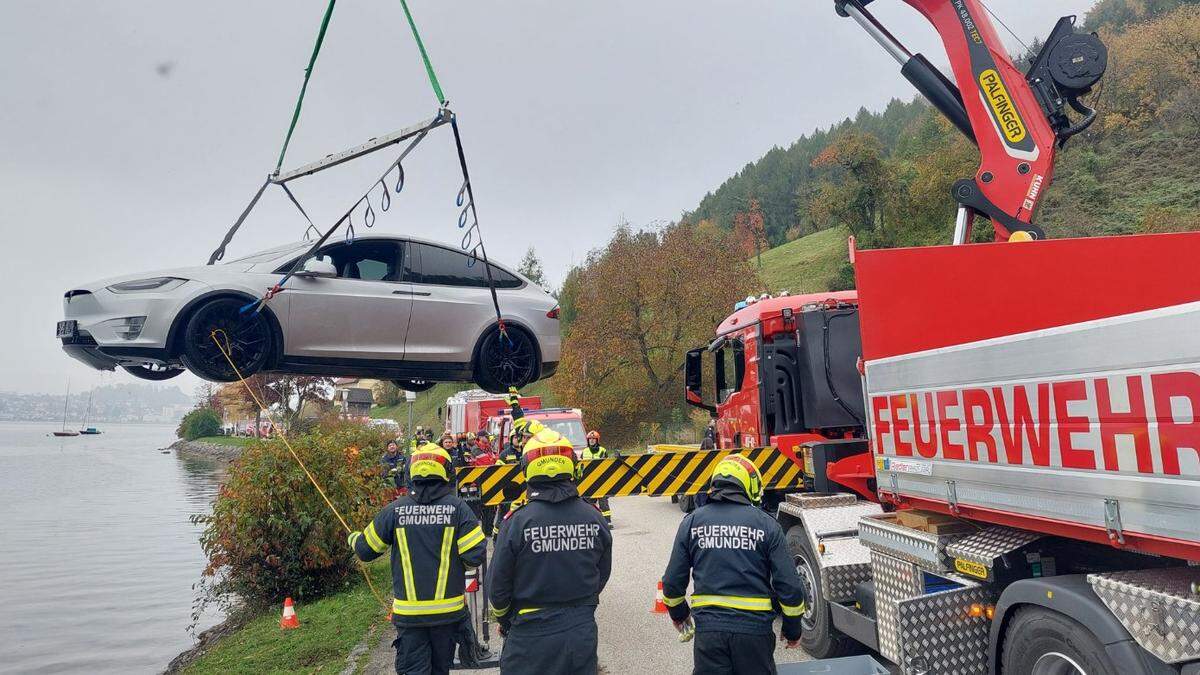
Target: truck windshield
{"points": [[571, 429]]}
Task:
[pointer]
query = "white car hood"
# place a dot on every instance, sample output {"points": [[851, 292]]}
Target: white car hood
{"points": [[201, 273]]}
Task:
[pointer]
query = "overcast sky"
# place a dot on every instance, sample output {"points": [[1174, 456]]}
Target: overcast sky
{"points": [[133, 133]]}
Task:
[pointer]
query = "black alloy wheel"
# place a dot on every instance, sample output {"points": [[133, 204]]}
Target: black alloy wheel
{"points": [[506, 361], [152, 373], [246, 336]]}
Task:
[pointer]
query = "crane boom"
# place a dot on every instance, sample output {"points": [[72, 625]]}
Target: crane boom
{"points": [[1018, 120]]}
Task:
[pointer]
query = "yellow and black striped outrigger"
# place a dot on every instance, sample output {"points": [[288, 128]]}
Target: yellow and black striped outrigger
{"points": [[658, 474]]}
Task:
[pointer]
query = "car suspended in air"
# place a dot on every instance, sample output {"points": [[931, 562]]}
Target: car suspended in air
{"points": [[400, 308]]}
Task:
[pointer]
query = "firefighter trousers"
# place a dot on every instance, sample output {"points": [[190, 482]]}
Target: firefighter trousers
{"points": [[722, 653], [604, 507], [569, 652], [427, 650]]}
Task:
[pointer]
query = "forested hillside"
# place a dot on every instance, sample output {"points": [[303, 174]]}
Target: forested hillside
{"points": [[886, 175]]}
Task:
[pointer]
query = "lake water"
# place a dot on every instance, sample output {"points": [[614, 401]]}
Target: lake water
{"points": [[97, 554]]}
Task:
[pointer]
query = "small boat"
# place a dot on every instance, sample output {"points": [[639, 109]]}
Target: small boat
{"points": [[86, 430], [66, 404]]}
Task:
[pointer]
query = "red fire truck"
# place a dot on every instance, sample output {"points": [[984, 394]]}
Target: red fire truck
{"points": [[1002, 440]]}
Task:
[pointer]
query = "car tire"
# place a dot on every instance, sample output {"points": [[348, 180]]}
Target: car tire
{"points": [[500, 363], [1039, 641], [248, 337], [820, 639], [416, 386], [152, 374]]}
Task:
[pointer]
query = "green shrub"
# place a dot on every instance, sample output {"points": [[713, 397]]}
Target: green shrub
{"points": [[199, 423], [271, 535]]}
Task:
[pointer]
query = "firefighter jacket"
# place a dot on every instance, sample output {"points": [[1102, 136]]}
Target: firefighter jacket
{"points": [[742, 574], [509, 455], [552, 559], [597, 452], [435, 538]]}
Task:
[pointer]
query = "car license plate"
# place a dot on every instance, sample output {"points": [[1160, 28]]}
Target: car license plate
{"points": [[66, 329]]}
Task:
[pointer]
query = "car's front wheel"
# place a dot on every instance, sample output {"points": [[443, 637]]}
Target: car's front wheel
{"points": [[153, 373], [245, 337], [506, 360]]}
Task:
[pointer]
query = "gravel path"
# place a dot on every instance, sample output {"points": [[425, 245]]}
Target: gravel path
{"points": [[632, 638]]}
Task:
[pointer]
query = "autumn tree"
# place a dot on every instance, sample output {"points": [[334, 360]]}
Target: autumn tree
{"points": [[750, 230], [286, 394], [639, 304], [1153, 83], [855, 186], [531, 267]]}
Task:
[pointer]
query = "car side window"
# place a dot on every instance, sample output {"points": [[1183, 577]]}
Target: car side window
{"points": [[366, 259], [446, 267]]}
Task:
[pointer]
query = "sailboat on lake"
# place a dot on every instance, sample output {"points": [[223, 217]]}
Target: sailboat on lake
{"points": [[86, 430], [66, 404]]}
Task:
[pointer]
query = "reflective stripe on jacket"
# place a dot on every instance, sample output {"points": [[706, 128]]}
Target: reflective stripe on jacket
{"points": [[434, 538], [742, 575]]}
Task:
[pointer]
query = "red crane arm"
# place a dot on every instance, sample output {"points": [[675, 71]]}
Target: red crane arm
{"points": [[1016, 119]]}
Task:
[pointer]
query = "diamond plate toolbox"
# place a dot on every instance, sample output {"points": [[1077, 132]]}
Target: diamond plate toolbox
{"points": [[882, 533], [937, 635], [1159, 608]]}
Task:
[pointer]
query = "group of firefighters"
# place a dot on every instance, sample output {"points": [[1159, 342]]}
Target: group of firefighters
{"points": [[552, 557]]}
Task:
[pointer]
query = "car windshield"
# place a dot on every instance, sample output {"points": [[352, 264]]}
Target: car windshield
{"points": [[571, 429], [271, 253]]}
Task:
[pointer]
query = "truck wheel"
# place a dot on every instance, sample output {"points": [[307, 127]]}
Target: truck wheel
{"points": [[821, 640], [687, 503], [1040, 641]]}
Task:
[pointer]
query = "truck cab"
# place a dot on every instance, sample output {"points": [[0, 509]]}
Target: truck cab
{"points": [[783, 372]]}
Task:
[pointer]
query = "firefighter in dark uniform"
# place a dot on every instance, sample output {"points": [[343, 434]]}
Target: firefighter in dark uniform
{"points": [[434, 538], [552, 559], [596, 451], [742, 576]]}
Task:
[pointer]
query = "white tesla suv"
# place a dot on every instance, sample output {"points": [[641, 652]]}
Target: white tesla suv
{"points": [[404, 309]]}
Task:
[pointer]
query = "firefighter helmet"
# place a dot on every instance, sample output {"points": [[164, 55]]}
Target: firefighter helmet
{"points": [[523, 426], [740, 472], [593, 435], [547, 456], [429, 461]]}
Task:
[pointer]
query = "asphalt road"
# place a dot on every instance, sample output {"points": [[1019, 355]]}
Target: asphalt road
{"points": [[632, 638]]}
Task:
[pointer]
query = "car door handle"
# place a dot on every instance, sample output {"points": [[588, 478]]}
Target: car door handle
{"points": [[409, 293]]}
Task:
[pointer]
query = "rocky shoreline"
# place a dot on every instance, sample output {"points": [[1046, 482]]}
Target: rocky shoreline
{"points": [[202, 450]]}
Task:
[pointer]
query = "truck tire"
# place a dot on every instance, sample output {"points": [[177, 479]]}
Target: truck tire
{"points": [[820, 639], [1039, 641], [687, 503]]}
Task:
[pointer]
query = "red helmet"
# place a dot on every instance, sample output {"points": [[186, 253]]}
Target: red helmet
{"points": [[593, 435]]}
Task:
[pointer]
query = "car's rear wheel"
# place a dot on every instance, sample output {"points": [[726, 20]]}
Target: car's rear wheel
{"points": [[416, 386], [245, 336], [506, 361], [153, 373]]}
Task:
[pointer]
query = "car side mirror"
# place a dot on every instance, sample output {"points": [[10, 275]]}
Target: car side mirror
{"points": [[318, 268]]}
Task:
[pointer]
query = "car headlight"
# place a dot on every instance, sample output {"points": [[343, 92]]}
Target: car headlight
{"points": [[152, 284]]}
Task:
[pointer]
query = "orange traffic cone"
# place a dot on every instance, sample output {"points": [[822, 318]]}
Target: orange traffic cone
{"points": [[289, 620], [659, 606]]}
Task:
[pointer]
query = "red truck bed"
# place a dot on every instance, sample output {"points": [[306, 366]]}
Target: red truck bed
{"points": [[1050, 385]]}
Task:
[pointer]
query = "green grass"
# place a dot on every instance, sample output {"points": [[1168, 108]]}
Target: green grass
{"points": [[805, 265], [235, 441], [329, 629]]}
